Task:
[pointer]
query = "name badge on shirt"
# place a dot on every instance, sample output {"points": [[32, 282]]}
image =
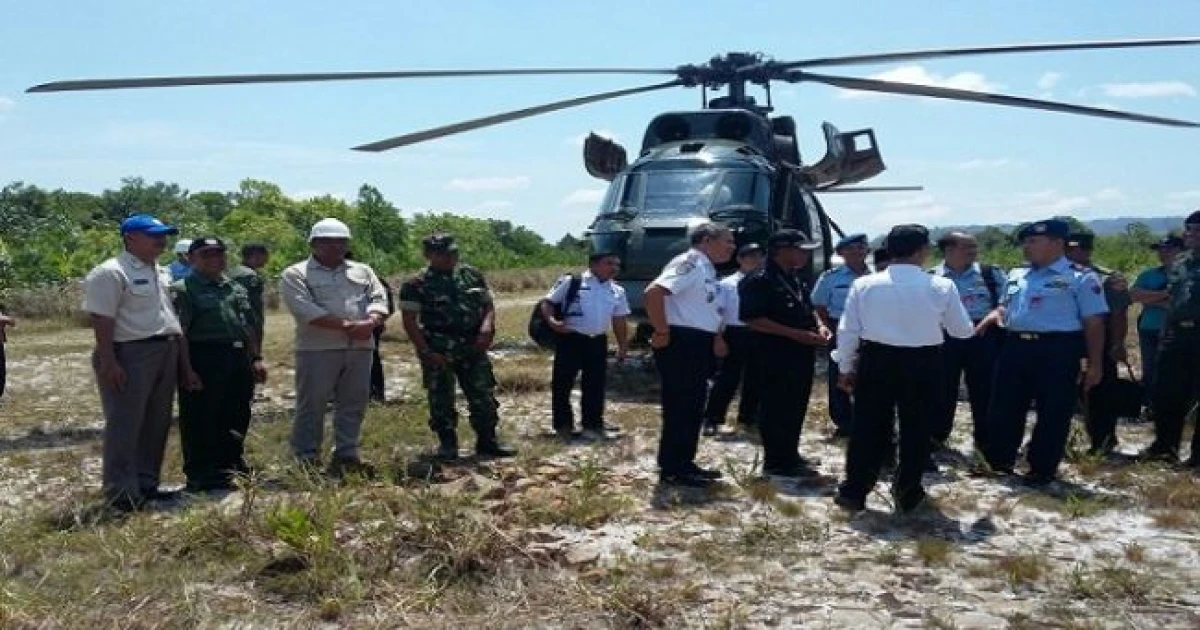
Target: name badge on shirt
{"points": [[140, 281]]}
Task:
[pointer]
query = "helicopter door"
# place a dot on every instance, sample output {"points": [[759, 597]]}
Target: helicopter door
{"points": [[850, 157], [602, 157]]}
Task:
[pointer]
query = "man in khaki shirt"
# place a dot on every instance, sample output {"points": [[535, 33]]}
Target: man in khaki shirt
{"points": [[136, 360], [337, 304]]}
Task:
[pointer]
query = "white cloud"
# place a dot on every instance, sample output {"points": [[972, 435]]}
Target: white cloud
{"points": [[1184, 195], [919, 75], [489, 183], [981, 163], [491, 205], [1049, 79], [1109, 194], [1152, 89], [578, 139], [583, 197], [1051, 203]]}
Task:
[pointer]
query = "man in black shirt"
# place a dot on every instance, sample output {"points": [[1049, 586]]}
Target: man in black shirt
{"points": [[776, 304]]}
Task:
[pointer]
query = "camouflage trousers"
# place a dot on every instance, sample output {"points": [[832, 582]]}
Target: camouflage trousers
{"points": [[472, 370]]}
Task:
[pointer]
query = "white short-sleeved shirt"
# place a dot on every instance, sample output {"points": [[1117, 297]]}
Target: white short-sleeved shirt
{"points": [[135, 294], [727, 299], [594, 307], [692, 281]]}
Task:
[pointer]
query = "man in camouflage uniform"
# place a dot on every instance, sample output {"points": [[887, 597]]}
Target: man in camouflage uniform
{"points": [[254, 258], [1177, 374], [220, 366], [1101, 406], [449, 316]]}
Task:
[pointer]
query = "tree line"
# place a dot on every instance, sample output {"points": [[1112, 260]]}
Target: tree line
{"points": [[51, 237]]}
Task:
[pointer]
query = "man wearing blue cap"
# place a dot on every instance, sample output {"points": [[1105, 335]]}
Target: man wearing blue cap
{"points": [[1178, 381], [1053, 312], [829, 296], [136, 360], [1150, 290]]}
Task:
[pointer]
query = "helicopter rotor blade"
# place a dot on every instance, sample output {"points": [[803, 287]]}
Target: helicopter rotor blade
{"points": [[860, 189], [179, 81], [496, 119], [938, 53], [912, 89]]}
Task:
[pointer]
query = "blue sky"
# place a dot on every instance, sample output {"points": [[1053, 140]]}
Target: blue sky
{"points": [[978, 163]]}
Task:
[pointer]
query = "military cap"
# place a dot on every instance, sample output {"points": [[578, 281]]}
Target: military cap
{"points": [[850, 239], [907, 238], [791, 238], [147, 224], [749, 248], [1054, 228], [207, 242], [1193, 218], [1171, 242], [1082, 240], [439, 243]]}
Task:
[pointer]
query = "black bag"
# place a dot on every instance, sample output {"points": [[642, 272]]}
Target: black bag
{"points": [[1128, 395], [539, 328]]}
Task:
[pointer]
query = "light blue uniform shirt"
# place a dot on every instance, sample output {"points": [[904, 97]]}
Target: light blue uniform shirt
{"points": [[832, 288], [1055, 298], [1153, 279], [972, 288], [179, 270]]}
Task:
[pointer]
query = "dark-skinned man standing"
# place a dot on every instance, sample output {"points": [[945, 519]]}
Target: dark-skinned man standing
{"points": [[1150, 290], [337, 304], [249, 274], [449, 316], [224, 354], [681, 305], [1100, 407], [1053, 314], [776, 304], [889, 354], [136, 361]]}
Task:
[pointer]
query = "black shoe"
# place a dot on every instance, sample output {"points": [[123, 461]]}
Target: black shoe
{"points": [[1193, 462], [984, 470], [706, 473], [931, 466], [154, 494], [492, 448], [447, 445], [852, 506], [911, 505], [811, 462], [799, 470], [685, 479], [611, 428], [1036, 480]]}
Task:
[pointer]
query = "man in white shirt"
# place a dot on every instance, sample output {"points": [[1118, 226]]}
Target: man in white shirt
{"points": [[889, 352], [681, 305], [582, 345], [739, 366]]}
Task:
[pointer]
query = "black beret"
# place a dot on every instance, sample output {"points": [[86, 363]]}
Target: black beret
{"points": [[207, 242], [439, 243], [1056, 228]]}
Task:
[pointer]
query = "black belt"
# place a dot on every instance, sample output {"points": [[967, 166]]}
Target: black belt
{"points": [[146, 339]]}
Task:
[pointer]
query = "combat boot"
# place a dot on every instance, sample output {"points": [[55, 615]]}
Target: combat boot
{"points": [[448, 444], [488, 445]]}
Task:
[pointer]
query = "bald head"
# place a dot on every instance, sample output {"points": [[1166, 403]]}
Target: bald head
{"points": [[959, 250]]}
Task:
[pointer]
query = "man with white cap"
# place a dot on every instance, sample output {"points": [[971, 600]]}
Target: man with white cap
{"points": [[337, 303], [181, 266]]}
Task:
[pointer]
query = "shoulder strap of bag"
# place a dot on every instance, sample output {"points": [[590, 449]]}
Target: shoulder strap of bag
{"points": [[989, 278]]}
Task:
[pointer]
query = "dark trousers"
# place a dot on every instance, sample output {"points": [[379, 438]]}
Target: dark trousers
{"points": [[1176, 388], [1148, 345], [975, 360], [1041, 368], [377, 368], [213, 421], [787, 387], [892, 381], [3, 370], [683, 367], [841, 408], [1100, 413], [573, 354], [739, 367]]}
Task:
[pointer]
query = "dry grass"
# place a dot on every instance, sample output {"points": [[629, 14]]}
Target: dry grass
{"points": [[1021, 569]]}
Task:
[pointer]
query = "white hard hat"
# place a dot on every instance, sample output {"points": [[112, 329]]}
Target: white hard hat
{"points": [[329, 228], [182, 245]]}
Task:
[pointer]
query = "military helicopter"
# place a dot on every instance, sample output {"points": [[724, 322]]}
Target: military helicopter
{"points": [[730, 161]]}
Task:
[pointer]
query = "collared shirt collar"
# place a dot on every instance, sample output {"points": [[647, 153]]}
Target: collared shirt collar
{"points": [[703, 257], [588, 275], [134, 261], [313, 262], [1060, 266], [945, 270], [907, 268]]}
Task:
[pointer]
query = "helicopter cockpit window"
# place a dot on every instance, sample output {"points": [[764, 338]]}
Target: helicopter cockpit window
{"points": [[692, 192]]}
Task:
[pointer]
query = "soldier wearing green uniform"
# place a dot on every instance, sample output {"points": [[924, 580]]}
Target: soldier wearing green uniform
{"points": [[254, 257], [1177, 373], [1100, 414], [223, 364], [449, 316]]}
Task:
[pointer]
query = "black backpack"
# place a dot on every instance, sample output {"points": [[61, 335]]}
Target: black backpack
{"points": [[539, 328]]}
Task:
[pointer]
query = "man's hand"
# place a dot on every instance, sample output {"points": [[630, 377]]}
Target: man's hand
{"points": [[484, 340], [825, 332], [360, 330], [558, 326], [720, 348], [259, 369], [1093, 376], [991, 319], [112, 376], [5, 322], [809, 338], [846, 382], [660, 339], [191, 381]]}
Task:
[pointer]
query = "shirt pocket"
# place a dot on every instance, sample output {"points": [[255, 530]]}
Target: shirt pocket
{"points": [[142, 292]]}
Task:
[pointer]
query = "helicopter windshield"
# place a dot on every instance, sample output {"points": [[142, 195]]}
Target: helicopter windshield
{"points": [[682, 193]]}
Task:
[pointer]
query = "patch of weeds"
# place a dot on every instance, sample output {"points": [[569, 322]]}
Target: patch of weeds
{"points": [[1073, 505], [934, 551], [440, 540], [587, 501], [1020, 569], [1111, 583], [790, 509], [633, 601], [1175, 491], [769, 536], [1175, 518], [1135, 552]]}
